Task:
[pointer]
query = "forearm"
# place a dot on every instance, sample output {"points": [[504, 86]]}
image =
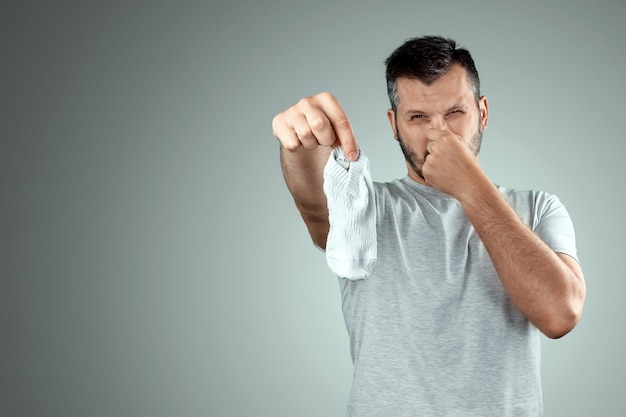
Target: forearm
{"points": [[539, 282], [303, 171]]}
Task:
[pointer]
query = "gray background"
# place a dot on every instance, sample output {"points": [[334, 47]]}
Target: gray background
{"points": [[152, 262]]}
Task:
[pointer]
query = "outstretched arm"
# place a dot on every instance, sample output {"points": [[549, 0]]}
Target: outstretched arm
{"points": [[308, 131], [303, 175]]}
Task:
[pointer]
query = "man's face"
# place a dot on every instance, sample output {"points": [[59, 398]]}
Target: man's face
{"points": [[446, 104]]}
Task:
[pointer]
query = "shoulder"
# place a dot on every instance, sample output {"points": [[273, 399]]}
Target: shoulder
{"points": [[533, 205], [528, 197]]}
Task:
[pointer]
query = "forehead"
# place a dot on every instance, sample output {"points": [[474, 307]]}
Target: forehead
{"points": [[450, 89]]}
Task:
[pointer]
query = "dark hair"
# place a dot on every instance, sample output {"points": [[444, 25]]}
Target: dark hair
{"points": [[427, 58]]}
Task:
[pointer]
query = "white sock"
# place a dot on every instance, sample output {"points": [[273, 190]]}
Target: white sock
{"points": [[351, 243]]}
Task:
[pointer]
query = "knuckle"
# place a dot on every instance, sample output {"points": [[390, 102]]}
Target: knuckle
{"points": [[325, 95], [305, 102], [303, 133], [276, 123], [317, 122], [292, 146]]}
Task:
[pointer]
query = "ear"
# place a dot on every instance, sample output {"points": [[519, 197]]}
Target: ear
{"points": [[392, 121], [483, 107]]}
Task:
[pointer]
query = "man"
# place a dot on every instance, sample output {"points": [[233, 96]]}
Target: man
{"points": [[447, 322]]}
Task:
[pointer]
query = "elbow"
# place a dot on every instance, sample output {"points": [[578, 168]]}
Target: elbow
{"points": [[318, 228], [561, 323], [564, 316], [558, 329], [565, 311]]}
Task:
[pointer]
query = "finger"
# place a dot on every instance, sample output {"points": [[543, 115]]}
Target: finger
{"points": [[426, 171], [302, 129], [321, 128], [341, 125], [442, 134], [435, 134], [285, 133], [317, 122]]}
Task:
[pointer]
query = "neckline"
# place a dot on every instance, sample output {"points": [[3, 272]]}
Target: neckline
{"points": [[424, 189]]}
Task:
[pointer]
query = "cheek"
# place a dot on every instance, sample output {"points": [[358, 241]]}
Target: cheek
{"points": [[466, 128], [414, 137]]}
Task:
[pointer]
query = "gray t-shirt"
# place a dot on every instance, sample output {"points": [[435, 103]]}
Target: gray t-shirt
{"points": [[432, 332]]}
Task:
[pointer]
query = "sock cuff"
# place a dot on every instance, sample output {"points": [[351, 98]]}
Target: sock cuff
{"points": [[343, 176]]}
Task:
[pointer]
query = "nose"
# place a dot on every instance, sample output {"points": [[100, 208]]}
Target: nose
{"points": [[438, 122]]}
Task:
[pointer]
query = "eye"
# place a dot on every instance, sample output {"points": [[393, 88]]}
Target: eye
{"points": [[417, 116], [455, 113]]}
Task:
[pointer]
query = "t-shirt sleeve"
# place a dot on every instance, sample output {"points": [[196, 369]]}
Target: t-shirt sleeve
{"points": [[554, 226]]}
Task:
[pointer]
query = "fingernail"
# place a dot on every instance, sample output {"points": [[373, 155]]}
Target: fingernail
{"points": [[353, 156]]}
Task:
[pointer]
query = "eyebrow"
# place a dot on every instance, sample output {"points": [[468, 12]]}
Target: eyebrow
{"points": [[462, 106]]}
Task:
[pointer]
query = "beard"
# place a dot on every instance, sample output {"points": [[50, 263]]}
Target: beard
{"points": [[417, 163]]}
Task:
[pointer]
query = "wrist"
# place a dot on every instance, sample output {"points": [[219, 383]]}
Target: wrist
{"points": [[477, 192]]}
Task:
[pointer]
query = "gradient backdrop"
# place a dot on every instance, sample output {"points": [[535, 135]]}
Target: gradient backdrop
{"points": [[152, 261]]}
